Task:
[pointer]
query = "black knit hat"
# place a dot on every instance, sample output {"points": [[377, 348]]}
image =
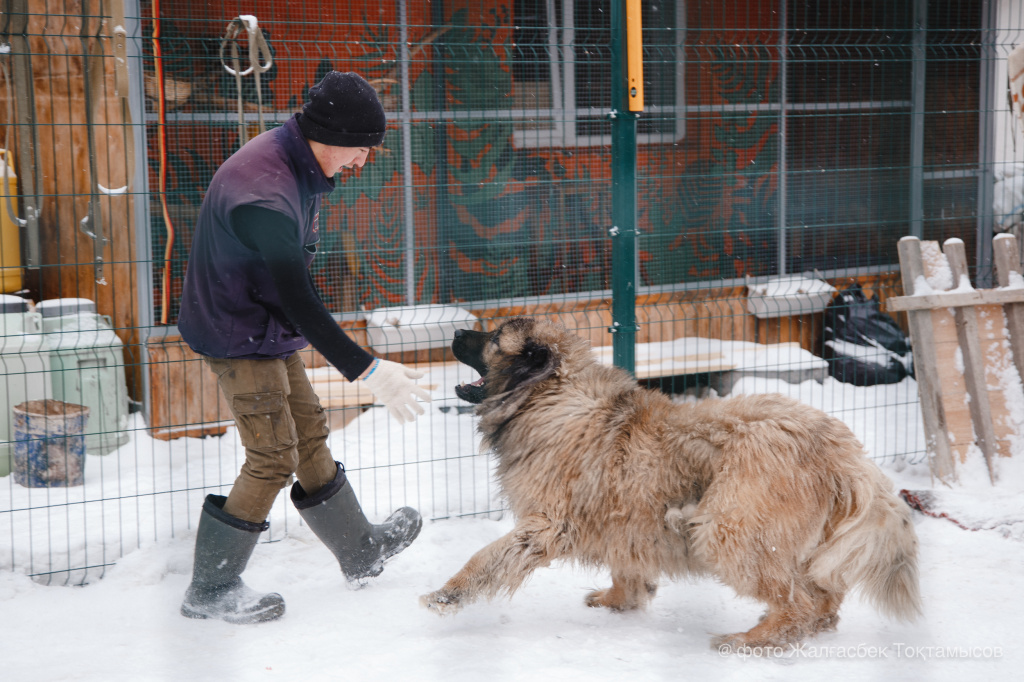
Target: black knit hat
{"points": [[343, 111]]}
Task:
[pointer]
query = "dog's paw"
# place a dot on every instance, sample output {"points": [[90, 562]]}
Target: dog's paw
{"points": [[728, 644], [441, 602], [609, 599], [747, 641]]}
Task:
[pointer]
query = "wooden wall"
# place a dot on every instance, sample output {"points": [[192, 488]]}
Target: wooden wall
{"points": [[185, 399], [64, 172]]}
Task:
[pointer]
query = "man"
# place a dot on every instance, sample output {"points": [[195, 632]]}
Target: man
{"points": [[248, 304]]}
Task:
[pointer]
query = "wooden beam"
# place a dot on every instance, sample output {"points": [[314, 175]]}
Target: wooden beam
{"points": [[928, 386], [954, 299], [948, 367], [974, 362], [1007, 257]]}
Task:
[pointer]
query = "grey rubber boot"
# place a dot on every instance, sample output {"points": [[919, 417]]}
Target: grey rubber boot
{"points": [[223, 547], [361, 547]]}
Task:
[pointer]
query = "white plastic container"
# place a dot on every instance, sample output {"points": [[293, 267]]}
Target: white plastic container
{"points": [[25, 366], [788, 295], [51, 311], [393, 330], [87, 362], [16, 317]]}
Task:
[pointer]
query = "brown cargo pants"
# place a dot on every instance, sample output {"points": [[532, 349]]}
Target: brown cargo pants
{"points": [[282, 426]]}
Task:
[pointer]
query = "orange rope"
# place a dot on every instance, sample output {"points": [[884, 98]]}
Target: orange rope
{"points": [[165, 293]]}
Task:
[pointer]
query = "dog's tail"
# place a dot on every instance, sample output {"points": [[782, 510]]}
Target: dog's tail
{"points": [[872, 545]]}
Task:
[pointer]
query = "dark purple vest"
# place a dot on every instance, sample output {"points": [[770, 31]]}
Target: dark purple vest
{"points": [[229, 306]]}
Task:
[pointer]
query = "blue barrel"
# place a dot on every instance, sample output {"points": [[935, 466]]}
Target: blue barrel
{"points": [[49, 444]]}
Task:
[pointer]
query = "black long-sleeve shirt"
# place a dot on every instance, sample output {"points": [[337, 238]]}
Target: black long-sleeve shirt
{"points": [[272, 234]]}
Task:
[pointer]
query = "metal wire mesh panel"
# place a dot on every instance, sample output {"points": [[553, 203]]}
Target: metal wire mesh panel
{"points": [[784, 148]]}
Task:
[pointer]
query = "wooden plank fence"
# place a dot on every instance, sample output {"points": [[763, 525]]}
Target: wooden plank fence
{"points": [[968, 350]]}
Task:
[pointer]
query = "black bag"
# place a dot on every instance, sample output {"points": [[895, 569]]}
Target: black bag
{"points": [[852, 318]]}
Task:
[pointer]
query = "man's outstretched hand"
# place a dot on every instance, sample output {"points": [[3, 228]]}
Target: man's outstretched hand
{"points": [[394, 385]]}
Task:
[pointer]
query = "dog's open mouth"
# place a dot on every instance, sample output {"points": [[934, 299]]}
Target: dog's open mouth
{"points": [[473, 392], [468, 348]]}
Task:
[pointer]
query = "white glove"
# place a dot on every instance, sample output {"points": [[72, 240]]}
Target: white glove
{"points": [[393, 384]]}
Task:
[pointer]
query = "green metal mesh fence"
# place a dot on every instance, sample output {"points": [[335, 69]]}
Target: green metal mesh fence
{"points": [[797, 138]]}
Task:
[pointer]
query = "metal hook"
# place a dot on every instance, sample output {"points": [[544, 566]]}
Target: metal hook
{"points": [[258, 48]]}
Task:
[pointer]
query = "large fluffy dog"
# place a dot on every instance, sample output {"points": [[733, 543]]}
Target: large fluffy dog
{"points": [[772, 497]]}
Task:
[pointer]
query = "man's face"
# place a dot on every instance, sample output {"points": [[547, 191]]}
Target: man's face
{"points": [[333, 159]]}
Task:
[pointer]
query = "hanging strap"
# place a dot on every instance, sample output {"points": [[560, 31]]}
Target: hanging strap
{"points": [[15, 17], [258, 50], [122, 86], [8, 154], [92, 55]]}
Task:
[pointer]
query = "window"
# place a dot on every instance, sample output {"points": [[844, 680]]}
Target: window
{"points": [[561, 70]]}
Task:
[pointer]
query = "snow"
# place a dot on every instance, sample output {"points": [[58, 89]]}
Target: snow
{"points": [[415, 327], [126, 626], [1016, 281], [795, 284], [694, 354], [964, 287], [922, 287], [940, 276], [788, 295], [875, 352]]}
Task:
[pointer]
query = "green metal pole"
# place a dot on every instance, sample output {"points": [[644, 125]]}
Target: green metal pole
{"points": [[623, 231]]}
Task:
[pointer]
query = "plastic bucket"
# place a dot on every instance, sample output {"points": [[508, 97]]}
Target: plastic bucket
{"points": [[49, 445]]}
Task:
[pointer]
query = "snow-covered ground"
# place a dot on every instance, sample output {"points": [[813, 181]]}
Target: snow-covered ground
{"points": [[126, 625]]}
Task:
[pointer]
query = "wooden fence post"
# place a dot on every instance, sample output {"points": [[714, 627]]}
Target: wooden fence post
{"points": [[928, 387], [974, 362], [1007, 258]]}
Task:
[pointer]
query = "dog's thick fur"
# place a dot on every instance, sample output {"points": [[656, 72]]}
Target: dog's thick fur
{"points": [[772, 497]]}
